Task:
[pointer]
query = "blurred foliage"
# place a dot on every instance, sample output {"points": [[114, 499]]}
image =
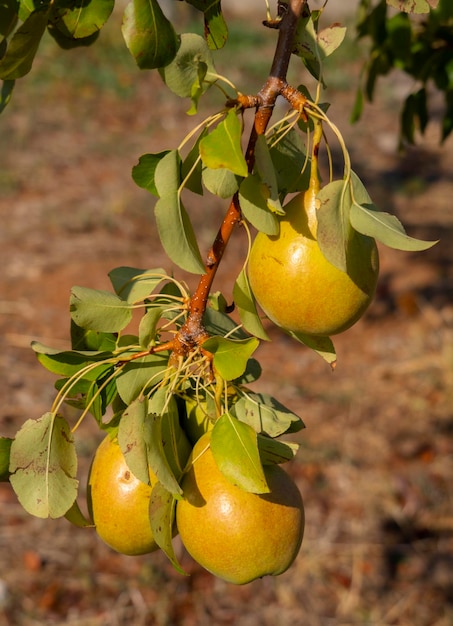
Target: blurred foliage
{"points": [[419, 45]]}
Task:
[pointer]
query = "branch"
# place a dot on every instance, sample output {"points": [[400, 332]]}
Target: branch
{"points": [[193, 332]]}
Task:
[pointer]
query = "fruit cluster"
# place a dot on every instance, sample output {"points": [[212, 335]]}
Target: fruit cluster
{"points": [[235, 534]]}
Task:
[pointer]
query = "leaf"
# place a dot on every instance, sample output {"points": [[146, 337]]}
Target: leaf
{"points": [[266, 170], [76, 517], [69, 362], [292, 168], [5, 448], [81, 19], [334, 229], [253, 200], [274, 452], [191, 168], [266, 415], [181, 74], [413, 6], [368, 220], [177, 235], [143, 172], [148, 34], [6, 93], [134, 285], [99, 310], [222, 147], [230, 355], [22, 48], [321, 345], [215, 28], [134, 435], [147, 328], [162, 509], [220, 182], [138, 374], [167, 175], [234, 446], [245, 302], [43, 466]]}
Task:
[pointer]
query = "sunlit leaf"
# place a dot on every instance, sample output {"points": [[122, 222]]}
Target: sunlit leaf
{"points": [[167, 174], [222, 148], [266, 415], [99, 310], [149, 34], [22, 48], [321, 345], [245, 302], [230, 355], [43, 466], [413, 6], [68, 362], [291, 165], [334, 229], [82, 19], [234, 446]]}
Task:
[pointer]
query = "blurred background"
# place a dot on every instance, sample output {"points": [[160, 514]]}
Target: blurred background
{"points": [[376, 457]]}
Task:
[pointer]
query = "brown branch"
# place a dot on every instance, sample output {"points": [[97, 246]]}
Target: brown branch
{"points": [[193, 332]]}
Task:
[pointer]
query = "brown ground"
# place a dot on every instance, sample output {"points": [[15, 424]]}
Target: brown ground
{"points": [[376, 458]]}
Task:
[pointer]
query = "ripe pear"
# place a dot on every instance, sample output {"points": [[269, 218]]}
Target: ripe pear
{"points": [[297, 287], [234, 534]]}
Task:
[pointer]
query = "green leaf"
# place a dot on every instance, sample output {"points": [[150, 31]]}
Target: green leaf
{"points": [[230, 355], [140, 373], [99, 310], [147, 328], [162, 508], [220, 182], [191, 168], [264, 165], [69, 362], [6, 93], [368, 220], [81, 19], [76, 517], [291, 166], [266, 415], [253, 198], [234, 446], [22, 48], [134, 436], [321, 345], [167, 174], [215, 28], [334, 229], [274, 452], [5, 448], [177, 235], [413, 6], [143, 172], [134, 285], [245, 302], [222, 147], [9, 10], [148, 34], [69, 43], [43, 466], [183, 72]]}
